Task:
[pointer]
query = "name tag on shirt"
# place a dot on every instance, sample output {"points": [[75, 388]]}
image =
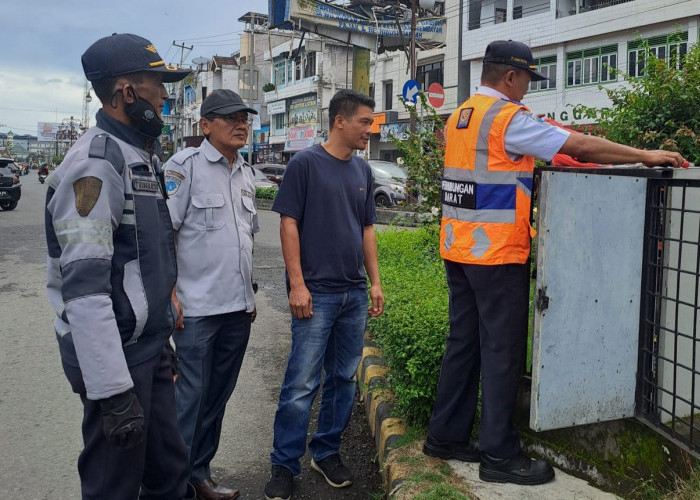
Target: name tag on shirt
{"points": [[144, 185], [248, 194], [460, 194]]}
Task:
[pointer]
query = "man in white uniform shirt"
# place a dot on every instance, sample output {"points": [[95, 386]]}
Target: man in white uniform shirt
{"points": [[211, 193]]}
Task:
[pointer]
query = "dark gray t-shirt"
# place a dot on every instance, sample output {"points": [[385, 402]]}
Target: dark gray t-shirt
{"points": [[333, 201]]}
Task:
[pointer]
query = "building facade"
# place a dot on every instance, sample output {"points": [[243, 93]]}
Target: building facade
{"points": [[580, 44]]}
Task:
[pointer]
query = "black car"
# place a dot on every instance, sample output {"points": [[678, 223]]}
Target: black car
{"points": [[10, 187], [389, 183]]}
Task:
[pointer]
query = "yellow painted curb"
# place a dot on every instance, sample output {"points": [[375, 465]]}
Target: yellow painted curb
{"points": [[377, 399], [371, 351], [390, 427]]}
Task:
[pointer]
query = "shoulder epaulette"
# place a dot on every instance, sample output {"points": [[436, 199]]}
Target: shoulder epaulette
{"points": [[103, 146], [181, 156]]}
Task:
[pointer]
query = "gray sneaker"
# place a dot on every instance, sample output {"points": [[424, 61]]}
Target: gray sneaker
{"points": [[279, 487], [333, 469]]}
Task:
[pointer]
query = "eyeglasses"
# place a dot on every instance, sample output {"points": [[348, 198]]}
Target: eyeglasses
{"points": [[234, 118]]}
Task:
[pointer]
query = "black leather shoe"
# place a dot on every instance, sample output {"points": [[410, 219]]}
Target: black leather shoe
{"points": [[464, 451], [209, 490], [519, 469]]}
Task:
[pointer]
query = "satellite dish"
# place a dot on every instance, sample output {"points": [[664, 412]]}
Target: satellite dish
{"points": [[200, 61], [426, 4]]}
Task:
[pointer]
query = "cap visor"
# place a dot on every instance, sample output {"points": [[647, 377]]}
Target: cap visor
{"points": [[233, 108], [171, 75], [537, 76]]}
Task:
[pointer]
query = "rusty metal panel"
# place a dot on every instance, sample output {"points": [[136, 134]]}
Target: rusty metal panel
{"points": [[587, 298]]}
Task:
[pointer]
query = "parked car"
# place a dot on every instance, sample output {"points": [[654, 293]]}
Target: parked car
{"points": [[389, 183], [273, 171], [10, 187], [261, 180]]}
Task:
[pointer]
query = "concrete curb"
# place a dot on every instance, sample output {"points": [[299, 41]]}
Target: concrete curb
{"points": [[378, 400]]}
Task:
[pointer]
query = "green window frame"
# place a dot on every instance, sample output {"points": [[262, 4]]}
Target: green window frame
{"points": [[671, 48], [548, 67], [591, 66]]}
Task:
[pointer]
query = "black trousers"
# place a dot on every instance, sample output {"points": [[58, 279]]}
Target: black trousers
{"points": [[488, 338], [158, 467]]}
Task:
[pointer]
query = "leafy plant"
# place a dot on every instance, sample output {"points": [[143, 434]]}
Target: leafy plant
{"points": [[414, 326], [268, 193], [657, 110], [423, 154], [268, 87]]}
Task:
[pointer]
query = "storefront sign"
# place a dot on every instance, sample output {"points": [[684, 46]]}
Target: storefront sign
{"points": [[277, 107], [302, 111], [299, 138], [398, 130]]}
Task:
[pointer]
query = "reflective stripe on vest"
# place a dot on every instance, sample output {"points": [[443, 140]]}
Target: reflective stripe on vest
{"points": [[486, 195]]}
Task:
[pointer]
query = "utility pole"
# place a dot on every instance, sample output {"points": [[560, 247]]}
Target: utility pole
{"points": [[180, 116], [413, 57], [251, 62]]}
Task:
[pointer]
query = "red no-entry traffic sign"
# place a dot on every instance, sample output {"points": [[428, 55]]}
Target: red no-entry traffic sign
{"points": [[436, 95]]}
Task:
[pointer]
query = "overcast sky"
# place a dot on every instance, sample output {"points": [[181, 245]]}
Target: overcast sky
{"points": [[41, 78]]}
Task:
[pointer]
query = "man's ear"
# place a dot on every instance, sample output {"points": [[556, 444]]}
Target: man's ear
{"points": [[510, 77], [339, 121], [127, 90], [204, 126]]}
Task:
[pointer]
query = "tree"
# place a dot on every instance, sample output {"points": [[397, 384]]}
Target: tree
{"points": [[423, 154], [658, 110]]}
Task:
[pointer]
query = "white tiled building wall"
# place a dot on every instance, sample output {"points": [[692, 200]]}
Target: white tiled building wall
{"points": [[561, 29]]}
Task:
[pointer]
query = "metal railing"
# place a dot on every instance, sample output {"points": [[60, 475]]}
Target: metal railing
{"points": [[668, 384]]}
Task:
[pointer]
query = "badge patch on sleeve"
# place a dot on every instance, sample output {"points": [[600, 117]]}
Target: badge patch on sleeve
{"points": [[172, 181], [464, 116], [87, 191]]}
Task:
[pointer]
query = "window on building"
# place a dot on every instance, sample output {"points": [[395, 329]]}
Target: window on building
{"points": [[669, 48], [279, 121], [388, 95], [548, 67], [297, 68], [310, 64], [204, 93], [590, 66], [518, 12], [280, 74], [429, 73], [371, 90], [500, 16]]}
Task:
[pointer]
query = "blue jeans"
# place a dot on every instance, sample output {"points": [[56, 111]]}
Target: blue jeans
{"points": [[210, 350], [330, 340]]}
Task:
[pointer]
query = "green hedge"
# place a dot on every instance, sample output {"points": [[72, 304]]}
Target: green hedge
{"points": [[266, 193], [415, 323]]}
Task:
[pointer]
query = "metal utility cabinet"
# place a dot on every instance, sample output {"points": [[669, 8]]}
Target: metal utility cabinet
{"points": [[616, 299]]}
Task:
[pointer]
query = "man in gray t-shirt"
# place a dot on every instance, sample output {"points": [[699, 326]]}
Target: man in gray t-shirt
{"points": [[328, 242]]}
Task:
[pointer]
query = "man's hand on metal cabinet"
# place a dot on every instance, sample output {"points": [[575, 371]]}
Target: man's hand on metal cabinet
{"points": [[300, 302], [179, 321], [122, 419], [664, 158], [376, 308]]}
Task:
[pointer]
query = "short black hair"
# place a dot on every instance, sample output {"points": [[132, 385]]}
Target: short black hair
{"points": [[493, 72], [104, 89], [345, 102]]}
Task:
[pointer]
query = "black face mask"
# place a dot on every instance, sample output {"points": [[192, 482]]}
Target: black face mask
{"points": [[146, 119]]}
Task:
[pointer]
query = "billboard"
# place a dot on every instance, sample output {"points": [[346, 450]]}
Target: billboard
{"points": [[46, 131], [302, 111], [355, 27]]}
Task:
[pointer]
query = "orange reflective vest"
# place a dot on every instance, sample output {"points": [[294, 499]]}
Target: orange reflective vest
{"points": [[485, 194]]}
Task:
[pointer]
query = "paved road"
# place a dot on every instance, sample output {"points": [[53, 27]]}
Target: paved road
{"points": [[40, 417]]}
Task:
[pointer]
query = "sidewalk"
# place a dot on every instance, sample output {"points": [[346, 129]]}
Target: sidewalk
{"points": [[564, 487]]}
